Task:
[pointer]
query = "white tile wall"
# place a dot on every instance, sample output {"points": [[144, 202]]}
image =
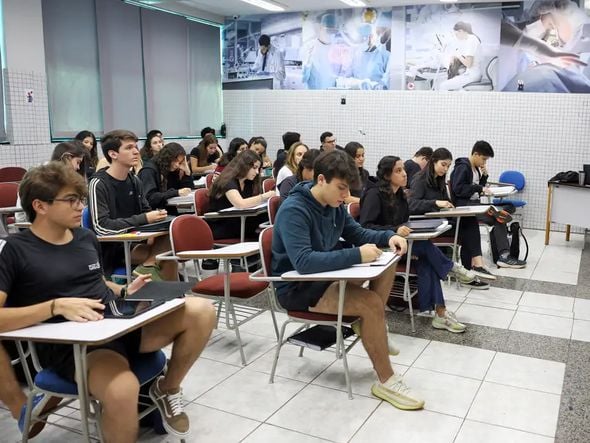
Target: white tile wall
{"points": [[538, 134]]}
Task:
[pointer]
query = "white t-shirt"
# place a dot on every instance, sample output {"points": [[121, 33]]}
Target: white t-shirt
{"points": [[470, 48], [284, 172]]}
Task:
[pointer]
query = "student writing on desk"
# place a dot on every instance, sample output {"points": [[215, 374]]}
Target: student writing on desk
{"points": [[306, 239], [117, 203], [53, 272], [384, 207]]}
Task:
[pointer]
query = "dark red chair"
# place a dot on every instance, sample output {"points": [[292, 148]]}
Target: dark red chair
{"points": [[209, 181], [354, 209], [8, 198], [273, 204], [268, 184], [12, 174]]}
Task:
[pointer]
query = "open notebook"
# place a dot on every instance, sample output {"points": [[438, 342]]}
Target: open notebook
{"points": [[383, 260]]}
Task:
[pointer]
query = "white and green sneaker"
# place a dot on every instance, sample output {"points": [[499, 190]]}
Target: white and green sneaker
{"points": [[463, 275], [396, 392], [448, 322]]}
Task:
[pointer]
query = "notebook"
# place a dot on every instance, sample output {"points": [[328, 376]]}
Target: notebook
{"points": [[160, 226], [161, 290], [427, 225], [319, 337], [121, 308]]}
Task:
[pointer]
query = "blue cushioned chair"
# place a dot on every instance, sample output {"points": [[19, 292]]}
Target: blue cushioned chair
{"points": [[516, 179]]}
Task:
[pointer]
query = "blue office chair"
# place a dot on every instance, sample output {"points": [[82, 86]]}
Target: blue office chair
{"points": [[146, 368], [516, 179], [119, 273]]}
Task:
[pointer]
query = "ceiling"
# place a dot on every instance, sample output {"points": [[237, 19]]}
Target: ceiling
{"points": [[212, 9]]}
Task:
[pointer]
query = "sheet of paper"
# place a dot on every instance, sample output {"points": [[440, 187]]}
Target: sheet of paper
{"points": [[383, 260], [253, 208]]}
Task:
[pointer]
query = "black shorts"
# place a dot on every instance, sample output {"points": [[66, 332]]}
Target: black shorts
{"points": [[303, 295], [60, 358]]}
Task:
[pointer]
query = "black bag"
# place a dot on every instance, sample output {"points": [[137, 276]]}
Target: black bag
{"points": [[515, 232], [566, 177]]}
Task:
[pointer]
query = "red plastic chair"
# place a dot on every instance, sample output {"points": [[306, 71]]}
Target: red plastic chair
{"points": [[8, 198], [268, 184], [354, 209], [12, 174], [209, 181], [273, 204]]}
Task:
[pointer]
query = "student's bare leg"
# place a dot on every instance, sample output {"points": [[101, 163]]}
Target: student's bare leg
{"points": [[189, 329], [11, 393], [112, 383], [382, 285], [477, 261], [369, 307]]}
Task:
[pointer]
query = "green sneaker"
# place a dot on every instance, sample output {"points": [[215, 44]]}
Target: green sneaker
{"points": [[448, 322], [153, 270], [396, 392]]}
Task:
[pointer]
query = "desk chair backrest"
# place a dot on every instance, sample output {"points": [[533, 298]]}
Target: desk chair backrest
{"points": [[86, 219], [209, 181], [268, 184], [265, 245], [515, 178], [190, 232], [201, 201], [272, 205], [354, 209], [8, 194], [12, 174]]}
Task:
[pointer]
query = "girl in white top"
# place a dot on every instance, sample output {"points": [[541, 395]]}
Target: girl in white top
{"points": [[296, 151], [465, 63]]}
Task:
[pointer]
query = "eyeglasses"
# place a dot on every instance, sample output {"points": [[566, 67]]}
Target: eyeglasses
{"points": [[73, 201]]}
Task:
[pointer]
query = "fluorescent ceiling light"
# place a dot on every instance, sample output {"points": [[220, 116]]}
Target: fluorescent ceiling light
{"points": [[448, 1], [355, 3], [265, 5]]}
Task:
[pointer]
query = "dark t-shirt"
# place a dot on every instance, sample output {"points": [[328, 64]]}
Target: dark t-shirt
{"points": [[412, 168], [211, 158], [126, 201], [33, 271], [217, 204]]}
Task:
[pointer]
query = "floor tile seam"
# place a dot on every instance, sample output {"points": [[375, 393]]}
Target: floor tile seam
{"points": [[227, 412], [215, 386], [514, 429], [292, 430], [251, 432], [366, 420], [479, 387], [527, 389]]}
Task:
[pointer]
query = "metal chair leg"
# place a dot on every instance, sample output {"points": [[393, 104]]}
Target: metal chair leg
{"points": [[278, 351]]}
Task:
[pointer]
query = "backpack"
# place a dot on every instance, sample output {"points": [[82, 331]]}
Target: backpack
{"points": [[565, 177], [514, 233]]}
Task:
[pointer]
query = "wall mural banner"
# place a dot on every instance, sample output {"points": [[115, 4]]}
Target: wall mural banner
{"points": [[533, 46]]}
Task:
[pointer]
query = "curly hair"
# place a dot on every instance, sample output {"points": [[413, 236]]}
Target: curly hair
{"points": [[146, 150], [163, 159], [80, 136]]}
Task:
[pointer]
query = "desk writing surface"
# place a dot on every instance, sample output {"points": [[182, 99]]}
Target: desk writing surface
{"points": [[232, 251], [235, 212], [460, 211], [184, 200], [502, 191], [352, 273], [429, 235], [131, 236], [92, 332]]}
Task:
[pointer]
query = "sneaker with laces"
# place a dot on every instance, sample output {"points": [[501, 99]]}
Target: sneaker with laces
{"points": [[448, 322], [42, 404], [396, 392], [463, 275], [169, 404], [476, 284], [510, 262], [392, 350], [482, 272]]}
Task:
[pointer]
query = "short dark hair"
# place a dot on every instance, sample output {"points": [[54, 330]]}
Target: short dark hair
{"points": [[482, 147], [264, 40], [336, 164], [113, 140], [74, 149], [44, 183], [289, 138], [424, 151], [258, 140], [352, 147], [207, 130], [325, 135], [153, 133]]}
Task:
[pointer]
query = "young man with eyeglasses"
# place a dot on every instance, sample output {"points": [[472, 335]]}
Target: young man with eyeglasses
{"points": [[53, 272], [328, 141]]}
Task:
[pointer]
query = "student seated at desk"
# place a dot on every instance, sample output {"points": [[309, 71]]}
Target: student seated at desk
{"points": [[117, 203], [306, 237], [304, 173], [167, 175], [384, 207], [294, 156], [88, 139], [53, 272], [418, 162], [205, 156], [258, 145], [357, 152], [236, 146], [238, 186], [153, 144], [428, 193], [468, 182], [289, 138]]}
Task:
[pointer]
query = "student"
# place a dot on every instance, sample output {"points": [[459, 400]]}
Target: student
{"points": [[468, 182], [258, 145], [418, 162], [294, 156], [328, 141], [153, 144], [306, 238], [207, 130], [205, 156], [304, 173], [88, 139], [384, 207], [156, 133], [289, 138], [236, 146], [53, 272], [429, 193], [238, 186], [117, 203], [167, 175], [357, 152]]}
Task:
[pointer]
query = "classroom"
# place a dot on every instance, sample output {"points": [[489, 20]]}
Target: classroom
{"points": [[263, 220]]}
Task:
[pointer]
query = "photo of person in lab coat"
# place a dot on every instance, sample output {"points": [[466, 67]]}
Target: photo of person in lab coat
{"points": [[464, 65], [270, 61]]}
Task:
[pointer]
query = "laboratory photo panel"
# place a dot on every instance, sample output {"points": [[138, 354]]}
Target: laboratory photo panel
{"points": [[451, 49]]}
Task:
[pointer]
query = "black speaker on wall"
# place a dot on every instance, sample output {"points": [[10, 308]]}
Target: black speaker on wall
{"points": [[587, 174]]}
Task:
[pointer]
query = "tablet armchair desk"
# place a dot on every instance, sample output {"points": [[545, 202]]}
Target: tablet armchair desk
{"points": [[567, 203]]}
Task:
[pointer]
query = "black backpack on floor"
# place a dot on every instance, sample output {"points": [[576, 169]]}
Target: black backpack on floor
{"points": [[515, 233]]}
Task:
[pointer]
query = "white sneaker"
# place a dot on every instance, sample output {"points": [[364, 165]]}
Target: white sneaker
{"points": [[396, 392], [463, 275], [448, 322]]}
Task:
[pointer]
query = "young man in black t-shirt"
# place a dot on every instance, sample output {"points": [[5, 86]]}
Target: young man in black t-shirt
{"points": [[53, 271], [117, 203]]}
